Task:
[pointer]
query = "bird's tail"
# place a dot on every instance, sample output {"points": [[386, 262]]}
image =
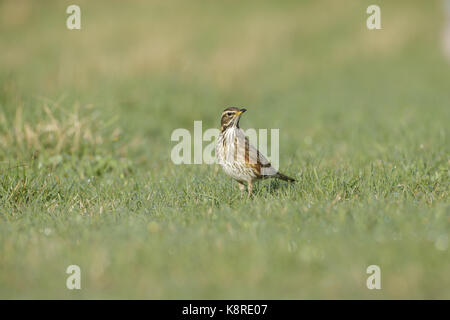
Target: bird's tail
{"points": [[284, 177]]}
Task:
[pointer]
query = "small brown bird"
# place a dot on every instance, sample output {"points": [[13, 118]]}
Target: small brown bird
{"points": [[238, 158]]}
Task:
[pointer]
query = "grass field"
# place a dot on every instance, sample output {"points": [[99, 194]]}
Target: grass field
{"points": [[86, 176]]}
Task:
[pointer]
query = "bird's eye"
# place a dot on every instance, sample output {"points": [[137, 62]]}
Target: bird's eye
{"points": [[229, 113]]}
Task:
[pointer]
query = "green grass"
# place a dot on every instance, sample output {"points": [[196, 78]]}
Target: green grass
{"points": [[85, 170]]}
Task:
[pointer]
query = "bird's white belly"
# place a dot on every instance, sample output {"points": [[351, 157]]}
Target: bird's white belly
{"points": [[238, 172], [231, 161]]}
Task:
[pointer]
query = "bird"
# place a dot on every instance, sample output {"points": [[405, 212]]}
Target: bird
{"points": [[238, 158]]}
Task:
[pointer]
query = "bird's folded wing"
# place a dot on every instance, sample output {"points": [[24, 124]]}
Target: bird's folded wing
{"points": [[253, 158]]}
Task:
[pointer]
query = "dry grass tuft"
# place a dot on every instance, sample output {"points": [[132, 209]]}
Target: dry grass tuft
{"points": [[73, 130]]}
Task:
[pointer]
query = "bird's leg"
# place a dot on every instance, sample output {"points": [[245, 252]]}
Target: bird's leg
{"points": [[250, 189], [241, 187]]}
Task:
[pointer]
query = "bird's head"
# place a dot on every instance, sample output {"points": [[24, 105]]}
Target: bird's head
{"points": [[230, 118]]}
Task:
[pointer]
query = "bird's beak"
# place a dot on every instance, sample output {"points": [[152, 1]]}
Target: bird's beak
{"points": [[241, 111]]}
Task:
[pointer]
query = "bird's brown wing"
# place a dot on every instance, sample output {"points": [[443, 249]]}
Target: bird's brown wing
{"points": [[254, 159]]}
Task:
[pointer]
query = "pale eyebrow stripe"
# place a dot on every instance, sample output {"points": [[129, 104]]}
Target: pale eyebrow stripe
{"points": [[227, 112]]}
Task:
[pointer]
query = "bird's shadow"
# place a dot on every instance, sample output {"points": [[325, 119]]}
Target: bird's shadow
{"points": [[272, 186]]}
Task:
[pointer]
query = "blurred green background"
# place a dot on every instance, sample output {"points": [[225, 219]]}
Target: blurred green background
{"points": [[85, 171]]}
